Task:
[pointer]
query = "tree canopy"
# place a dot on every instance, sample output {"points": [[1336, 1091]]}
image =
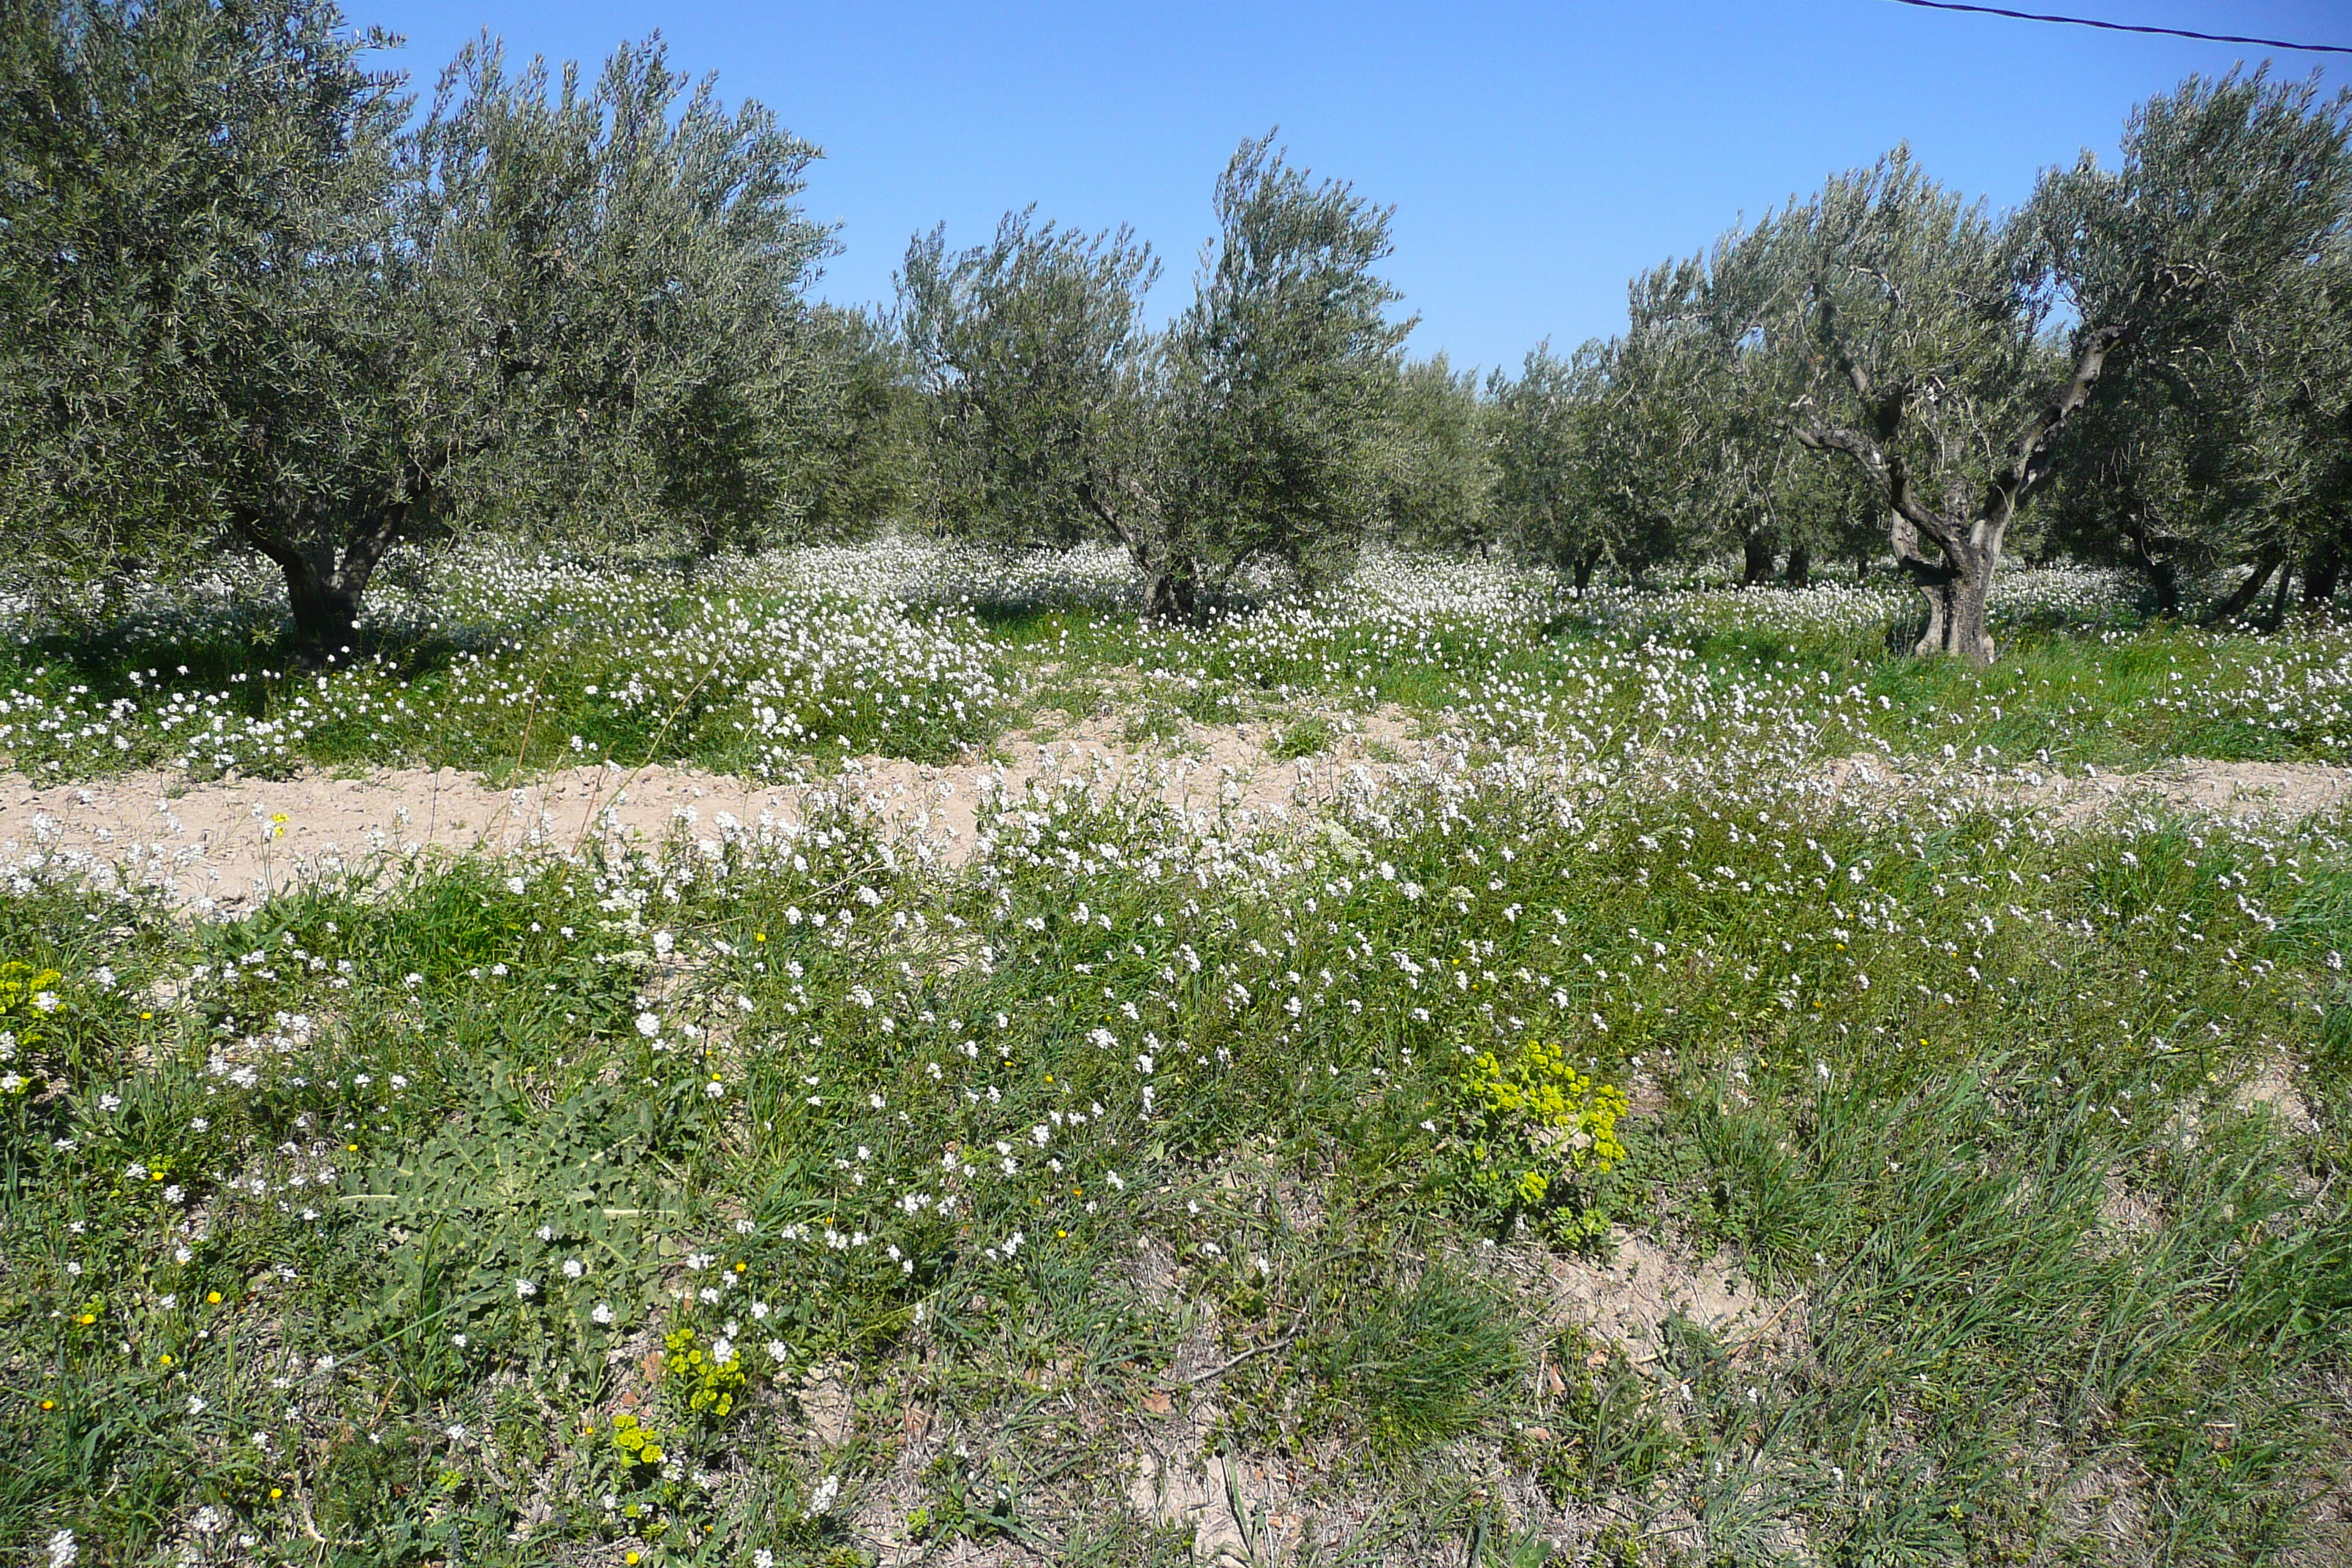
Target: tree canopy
{"points": [[1249, 431], [262, 298], [265, 308]]}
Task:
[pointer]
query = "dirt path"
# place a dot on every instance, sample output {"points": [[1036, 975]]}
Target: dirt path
{"points": [[2188, 784], [220, 846]]}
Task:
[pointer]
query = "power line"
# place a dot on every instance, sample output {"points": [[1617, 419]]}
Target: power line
{"points": [[2130, 27]]}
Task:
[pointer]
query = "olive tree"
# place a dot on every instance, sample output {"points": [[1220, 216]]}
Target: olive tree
{"points": [[1042, 384], [1903, 322], [2215, 250], [606, 333], [1593, 458], [1248, 432], [1438, 490], [1831, 512], [1545, 421], [1278, 380], [1737, 477], [863, 464], [192, 204], [2314, 405], [2149, 480], [265, 310]]}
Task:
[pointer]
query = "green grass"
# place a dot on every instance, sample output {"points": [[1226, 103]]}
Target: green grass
{"points": [[564, 671], [1302, 737], [2031, 1246], [1129, 1136]]}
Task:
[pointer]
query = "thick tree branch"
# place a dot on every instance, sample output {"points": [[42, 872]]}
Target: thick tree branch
{"points": [[1091, 498], [1887, 472], [2033, 443], [1884, 407]]}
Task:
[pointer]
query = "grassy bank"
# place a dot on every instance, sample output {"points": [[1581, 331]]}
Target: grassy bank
{"points": [[351, 1231]]}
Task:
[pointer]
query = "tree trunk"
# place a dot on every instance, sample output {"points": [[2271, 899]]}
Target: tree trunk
{"points": [[1583, 569], [324, 585], [1957, 588], [2321, 575], [2277, 618], [1799, 572], [326, 607], [1170, 589], [1172, 595], [2247, 591], [2163, 571], [1758, 548]]}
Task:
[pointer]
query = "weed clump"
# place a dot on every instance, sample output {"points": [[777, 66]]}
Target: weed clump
{"points": [[1535, 1140], [1417, 1365], [26, 995], [638, 1446], [705, 1382]]}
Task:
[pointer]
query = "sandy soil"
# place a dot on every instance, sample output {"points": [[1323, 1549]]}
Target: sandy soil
{"points": [[219, 846], [2189, 783]]}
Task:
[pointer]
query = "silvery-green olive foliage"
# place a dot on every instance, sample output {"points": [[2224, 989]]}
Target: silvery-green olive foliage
{"points": [[1737, 476], [1682, 477], [265, 310], [1593, 456], [2218, 245], [1667, 443], [2227, 192], [607, 276], [192, 216], [1043, 382], [1438, 489], [1903, 325], [1545, 434], [1753, 489], [1280, 378], [1828, 509], [2148, 477], [864, 467], [1248, 432]]}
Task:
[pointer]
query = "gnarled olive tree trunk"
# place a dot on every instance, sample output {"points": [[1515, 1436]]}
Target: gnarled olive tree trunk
{"points": [[1171, 577], [326, 567], [1580, 570], [1170, 594], [2148, 551], [2321, 573], [1957, 582], [2241, 598]]}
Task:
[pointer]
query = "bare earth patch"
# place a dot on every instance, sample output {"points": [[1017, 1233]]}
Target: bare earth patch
{"points": [[1629, 1299], [222, 845], [2189, 783]]}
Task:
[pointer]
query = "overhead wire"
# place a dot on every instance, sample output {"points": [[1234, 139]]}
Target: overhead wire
{"points": [[2130, 27]]}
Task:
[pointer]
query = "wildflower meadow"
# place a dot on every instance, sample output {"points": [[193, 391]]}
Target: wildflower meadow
{"points": [[1695, 1093]]}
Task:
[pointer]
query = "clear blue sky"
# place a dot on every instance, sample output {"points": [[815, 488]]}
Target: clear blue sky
{"points": [[1538, 154]]}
